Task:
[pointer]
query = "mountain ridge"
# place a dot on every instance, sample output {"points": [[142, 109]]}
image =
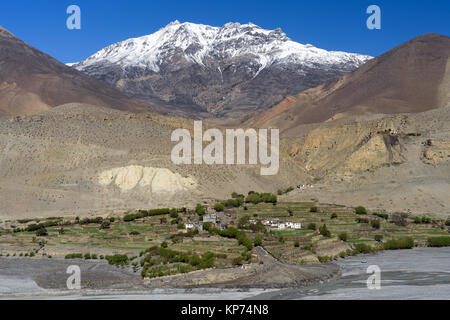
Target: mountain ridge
{"points": [[215, 71], [32, 81]]}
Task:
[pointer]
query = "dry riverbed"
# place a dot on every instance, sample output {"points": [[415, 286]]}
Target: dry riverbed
{"points": [[21, 277]]}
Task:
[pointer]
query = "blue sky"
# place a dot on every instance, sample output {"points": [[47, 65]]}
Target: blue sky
{"points": [[328, 24]]}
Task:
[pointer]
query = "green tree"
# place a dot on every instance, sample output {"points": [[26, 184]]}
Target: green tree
{"points": [[258, 241], [200, 210], [324, 231], [343, 236], [219, 207], [360, 210]]}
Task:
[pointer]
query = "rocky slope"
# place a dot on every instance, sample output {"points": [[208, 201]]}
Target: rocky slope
{"points": [[76, 159], [199, 70], [398, 163], [31, 82], [413, 77]]}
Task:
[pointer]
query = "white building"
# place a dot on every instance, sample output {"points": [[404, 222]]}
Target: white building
{"points": [[293, 225], [190, 226]]}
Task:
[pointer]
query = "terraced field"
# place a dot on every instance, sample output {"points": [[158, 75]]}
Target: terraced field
{"points": [[306, 245], [128, 238], [338, 219]]}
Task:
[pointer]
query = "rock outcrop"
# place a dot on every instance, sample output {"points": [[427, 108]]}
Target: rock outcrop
{"points": [[437, 152], [159, 180]]}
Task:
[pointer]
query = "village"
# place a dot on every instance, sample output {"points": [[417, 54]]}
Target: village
{"points": [[222, 221]]}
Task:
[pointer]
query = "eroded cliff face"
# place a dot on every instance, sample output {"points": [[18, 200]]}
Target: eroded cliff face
{"points": [[349, 148], [437, 152], [396, 163], [155, 180]]}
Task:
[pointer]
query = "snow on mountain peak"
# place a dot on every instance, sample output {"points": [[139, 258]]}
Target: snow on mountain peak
{"points": [[201, 44]]}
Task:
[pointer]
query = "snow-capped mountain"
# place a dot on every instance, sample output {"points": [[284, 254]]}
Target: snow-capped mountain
{"points": [[223, 71]]}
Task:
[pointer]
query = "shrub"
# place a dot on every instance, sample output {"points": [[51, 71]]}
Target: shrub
{"points": [[87, 256], [360, 210], [42, 232], [238, 261], [334, 216], [362, 248], [105, 225], [313, 209], [247, 243], [112, 219], [443, 241], [375, 224], [257, 227], [257, 241], [174, 213], [236, 195], [312, 226], [256, 198], [146, 213], [200, 210], [164, 244], [219, 207], [117, 259], [402, 243], [426, 220], [36, 227], [134, 233], [381, 215], [324, 231], [281, 192], [297, 244], [181, 226], [236, 203], [97, 220], [324, 259], [246, 255], [244, 222], [74, 256], [378, 237], [343, 236]]}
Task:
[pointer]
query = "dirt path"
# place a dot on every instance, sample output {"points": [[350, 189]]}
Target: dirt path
{"points": [[269, 273]]}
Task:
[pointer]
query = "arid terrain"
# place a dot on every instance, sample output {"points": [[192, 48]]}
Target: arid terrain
{"points": [[79, 159]]}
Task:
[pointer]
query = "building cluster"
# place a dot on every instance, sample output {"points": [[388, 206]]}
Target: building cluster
{"points": [[275, 223], [305, 186], [210, 218], [221, 222]]}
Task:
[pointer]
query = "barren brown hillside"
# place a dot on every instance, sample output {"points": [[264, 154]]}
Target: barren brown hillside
{"points": [[31, 82], [413, 77]]}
